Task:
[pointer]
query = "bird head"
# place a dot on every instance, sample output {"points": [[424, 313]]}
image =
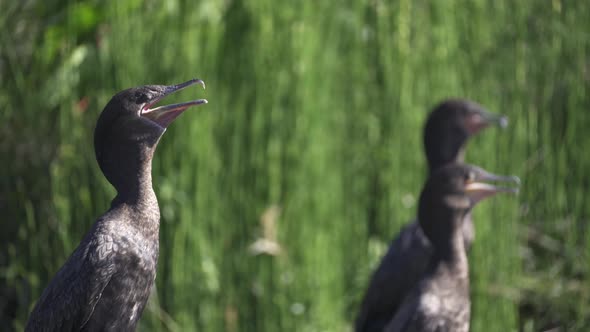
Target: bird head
{"points": [[130, 126], [451, 192], [450, 125]]}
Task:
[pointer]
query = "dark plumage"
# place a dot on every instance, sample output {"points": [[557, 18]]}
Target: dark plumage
{"points": [[449, 126], [104, 285], [440, 300]]}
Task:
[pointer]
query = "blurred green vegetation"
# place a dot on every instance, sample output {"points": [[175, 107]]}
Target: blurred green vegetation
{"points": [[314, 121]]}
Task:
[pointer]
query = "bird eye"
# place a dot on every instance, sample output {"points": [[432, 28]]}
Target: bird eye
{"points": [[141, 98], [470, 177]]}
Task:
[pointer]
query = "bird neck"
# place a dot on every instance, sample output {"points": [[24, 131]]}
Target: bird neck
{"points": [[443, 155], [128, 167], [137, 203], [449, 250], [135, 187], [130, 172]]}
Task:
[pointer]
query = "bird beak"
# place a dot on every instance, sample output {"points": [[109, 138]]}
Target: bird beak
{"points": [[478, 189], [164, 115], [476, 121]]}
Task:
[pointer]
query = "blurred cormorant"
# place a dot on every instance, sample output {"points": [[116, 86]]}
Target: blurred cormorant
{"points": [[439, 302], [447, 129]]}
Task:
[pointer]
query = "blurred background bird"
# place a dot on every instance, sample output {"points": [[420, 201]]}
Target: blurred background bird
{"points": [[446, 131]]}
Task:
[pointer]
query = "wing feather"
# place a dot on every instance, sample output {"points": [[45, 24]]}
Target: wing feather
{"points": [[69, 300]]}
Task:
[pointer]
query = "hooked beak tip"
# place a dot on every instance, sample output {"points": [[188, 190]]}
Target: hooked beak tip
{"points": [[515, 180], [200, 82]]}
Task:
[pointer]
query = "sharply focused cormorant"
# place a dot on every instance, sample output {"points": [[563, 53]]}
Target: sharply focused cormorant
{"points": [[439, 302], [449, 126], [104, 285]]}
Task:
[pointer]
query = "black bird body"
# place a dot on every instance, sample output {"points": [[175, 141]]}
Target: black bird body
{"points": [[447, 129], [105, 284], [405, 261], [439, 301]]}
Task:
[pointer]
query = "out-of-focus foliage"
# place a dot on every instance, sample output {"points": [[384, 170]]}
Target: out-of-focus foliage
{"points": [[279, 196]]}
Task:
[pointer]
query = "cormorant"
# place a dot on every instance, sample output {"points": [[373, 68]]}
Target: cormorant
{"points": [[104, 285], [439, 302], [448, 127]]}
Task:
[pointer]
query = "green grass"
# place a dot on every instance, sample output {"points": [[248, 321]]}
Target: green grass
{"points": [[315, 107]]}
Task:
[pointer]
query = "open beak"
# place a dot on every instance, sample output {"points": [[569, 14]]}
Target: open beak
{"points": [[478, 189], [164, 115], [476, 121]]}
